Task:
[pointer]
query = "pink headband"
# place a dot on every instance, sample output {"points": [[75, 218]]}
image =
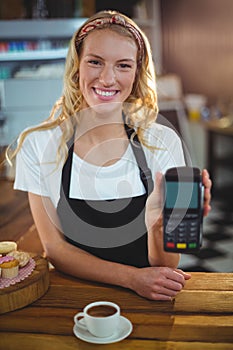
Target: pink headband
{"points": [[116, 19]]}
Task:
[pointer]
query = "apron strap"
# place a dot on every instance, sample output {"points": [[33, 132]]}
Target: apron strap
{"points": [[145, 172]]}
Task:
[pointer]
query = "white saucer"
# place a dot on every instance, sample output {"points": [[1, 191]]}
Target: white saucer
{"points": [[124, 329]]}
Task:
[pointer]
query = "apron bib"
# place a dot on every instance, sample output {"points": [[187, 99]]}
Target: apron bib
{"points": [[113, 230]]}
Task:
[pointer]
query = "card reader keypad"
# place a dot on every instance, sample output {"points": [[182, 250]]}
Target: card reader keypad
{"points": [[182, 234]]}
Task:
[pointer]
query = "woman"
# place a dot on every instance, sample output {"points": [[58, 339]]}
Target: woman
{"points": [[87, 169]]}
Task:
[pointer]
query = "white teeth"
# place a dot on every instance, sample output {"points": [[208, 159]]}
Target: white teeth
{"points": [[105, 93]]}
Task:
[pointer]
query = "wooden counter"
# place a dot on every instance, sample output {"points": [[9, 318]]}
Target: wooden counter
{"points": [[200, 317]]}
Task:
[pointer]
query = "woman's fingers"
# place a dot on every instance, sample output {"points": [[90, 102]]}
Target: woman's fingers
{"points": [[207, 191], [186, 275]]}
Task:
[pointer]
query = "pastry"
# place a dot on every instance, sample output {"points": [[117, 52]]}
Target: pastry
{"points": [[9, 267], [22, 257], [7, 247]]}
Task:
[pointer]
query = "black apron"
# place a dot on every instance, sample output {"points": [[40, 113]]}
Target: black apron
{"points": [[113, 230]]}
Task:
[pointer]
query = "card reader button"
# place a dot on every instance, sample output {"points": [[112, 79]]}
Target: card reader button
{"points": [[193, 235], [191, 216], [193, 223], [192, 245], [170, 245], [181, 235], [181, 245]]}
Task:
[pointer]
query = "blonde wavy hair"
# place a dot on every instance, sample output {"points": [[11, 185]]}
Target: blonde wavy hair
{"points": [[70, 103]]}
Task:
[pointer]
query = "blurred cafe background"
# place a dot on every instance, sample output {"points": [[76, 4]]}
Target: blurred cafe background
{"points": [[192, 46]]}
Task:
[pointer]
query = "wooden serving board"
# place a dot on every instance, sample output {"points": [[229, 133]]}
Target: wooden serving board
{"points": [[27, 291]]}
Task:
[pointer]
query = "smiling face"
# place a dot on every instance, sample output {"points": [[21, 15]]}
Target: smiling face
{"points": [[108, 65]]}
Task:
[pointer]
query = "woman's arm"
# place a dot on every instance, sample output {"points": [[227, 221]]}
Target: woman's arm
{"points": [[63, 255], [154, 283]]}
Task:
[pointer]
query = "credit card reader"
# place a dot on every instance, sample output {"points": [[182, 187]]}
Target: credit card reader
{"points": [[183, 210]]}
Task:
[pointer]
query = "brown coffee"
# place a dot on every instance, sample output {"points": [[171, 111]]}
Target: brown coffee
{"points": [[101, 311]]}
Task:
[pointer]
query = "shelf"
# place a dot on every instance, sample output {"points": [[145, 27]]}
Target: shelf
{"points": [[34, 55], [39, 28]]}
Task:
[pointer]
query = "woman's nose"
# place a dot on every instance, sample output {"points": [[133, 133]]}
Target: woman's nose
{"points": [[107, 76]]}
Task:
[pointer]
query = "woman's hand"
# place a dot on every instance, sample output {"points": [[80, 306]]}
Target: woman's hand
{"points": [[207, 192], [155, 203], [159, 283]]}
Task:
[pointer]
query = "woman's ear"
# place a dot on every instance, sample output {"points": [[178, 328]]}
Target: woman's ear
{"points": [[76, 78]]}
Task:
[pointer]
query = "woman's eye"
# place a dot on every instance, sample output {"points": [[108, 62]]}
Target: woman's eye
{"points": [[94, 62], [125, 65]]}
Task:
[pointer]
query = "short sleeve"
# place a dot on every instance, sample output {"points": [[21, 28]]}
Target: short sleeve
{"points": [[28, 168], [166, 149], [171, 154]]}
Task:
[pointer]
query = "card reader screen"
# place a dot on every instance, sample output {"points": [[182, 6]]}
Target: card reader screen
{"points": [[182, 195]]}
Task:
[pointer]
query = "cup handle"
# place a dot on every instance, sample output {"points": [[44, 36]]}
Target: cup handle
{"points": [[77, 320]]}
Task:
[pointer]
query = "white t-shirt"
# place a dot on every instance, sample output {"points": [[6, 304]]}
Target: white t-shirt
{"points": [[38, 172]]}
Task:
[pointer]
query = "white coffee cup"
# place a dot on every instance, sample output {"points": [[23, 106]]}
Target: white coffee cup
{"points": [[100, 318]]}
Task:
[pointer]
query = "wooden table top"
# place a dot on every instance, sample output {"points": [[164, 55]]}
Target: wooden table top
{"points": [[200, 317]]}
